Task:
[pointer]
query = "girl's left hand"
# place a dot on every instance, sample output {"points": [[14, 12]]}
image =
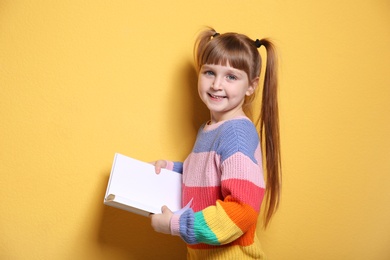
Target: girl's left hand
{"points": [[158, 165], [162, 222]]}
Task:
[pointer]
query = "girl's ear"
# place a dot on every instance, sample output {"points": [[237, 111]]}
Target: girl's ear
{"points": [[252, 87]]}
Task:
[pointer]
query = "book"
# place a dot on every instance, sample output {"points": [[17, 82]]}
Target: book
{"points": [[134, 186]]}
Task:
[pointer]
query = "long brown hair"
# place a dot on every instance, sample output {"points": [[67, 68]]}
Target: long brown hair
{"points": [[242, 53]]}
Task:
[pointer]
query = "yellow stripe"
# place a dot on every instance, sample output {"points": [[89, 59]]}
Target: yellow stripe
{"points": [[221, 225], [222, 253]]}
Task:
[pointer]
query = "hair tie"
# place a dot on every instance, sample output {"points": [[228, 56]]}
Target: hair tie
{"points": [[257, 43], [215, 34]]}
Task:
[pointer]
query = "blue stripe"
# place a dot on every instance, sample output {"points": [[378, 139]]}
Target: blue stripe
{"points": [[186, 223], [194, 232], [239, 135], [178, 167]]}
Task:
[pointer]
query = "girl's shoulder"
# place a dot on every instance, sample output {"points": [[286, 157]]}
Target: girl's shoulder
{"points": [[237, 131], [238, 135], [240, 123], [228, 137], [236, 127]]}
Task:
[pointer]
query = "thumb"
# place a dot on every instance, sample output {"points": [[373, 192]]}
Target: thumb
{"points": [[164, 209]]}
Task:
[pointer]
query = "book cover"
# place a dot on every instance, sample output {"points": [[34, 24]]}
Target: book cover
{"points": [[134, 186]]}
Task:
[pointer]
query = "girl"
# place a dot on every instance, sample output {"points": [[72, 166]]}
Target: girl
{"points": [[223, 175]]}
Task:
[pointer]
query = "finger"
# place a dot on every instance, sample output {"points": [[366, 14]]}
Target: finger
{"points": [[165, 209], [157, 167]]}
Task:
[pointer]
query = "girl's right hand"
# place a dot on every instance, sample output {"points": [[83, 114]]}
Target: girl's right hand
{"points": [[158, 165]]}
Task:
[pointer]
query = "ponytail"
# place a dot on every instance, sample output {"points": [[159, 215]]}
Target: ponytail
{"points": [[201, 42], [269, 132]]}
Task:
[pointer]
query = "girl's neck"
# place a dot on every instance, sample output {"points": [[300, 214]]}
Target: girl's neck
{"points": [[217, 119]]}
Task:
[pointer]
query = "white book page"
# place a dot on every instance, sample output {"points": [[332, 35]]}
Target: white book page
{"points": [[135, 183]]}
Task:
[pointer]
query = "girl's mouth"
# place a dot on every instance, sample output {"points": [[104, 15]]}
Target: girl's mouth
{"points": [[216, 97]]}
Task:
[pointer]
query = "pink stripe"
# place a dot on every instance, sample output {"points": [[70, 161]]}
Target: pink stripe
{"points": [[258, 156], [244, 192], [205, 169], [175, 225], [239, 166], [170, 165]]}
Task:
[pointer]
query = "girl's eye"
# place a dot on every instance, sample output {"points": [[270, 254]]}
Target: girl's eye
{"points": [[231, 77], [208, 72]]}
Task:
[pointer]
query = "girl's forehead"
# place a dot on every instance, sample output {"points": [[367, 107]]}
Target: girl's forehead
{"points": [[219, 66], [235, 61]]}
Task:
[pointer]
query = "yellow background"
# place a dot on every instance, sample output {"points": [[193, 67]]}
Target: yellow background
{"points": [[81, 80]]}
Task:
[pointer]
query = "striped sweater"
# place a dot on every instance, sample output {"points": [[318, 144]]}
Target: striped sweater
{"points": [[223, 176]]}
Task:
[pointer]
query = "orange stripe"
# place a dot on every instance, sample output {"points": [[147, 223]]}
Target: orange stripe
{"points": [[243, 215]]}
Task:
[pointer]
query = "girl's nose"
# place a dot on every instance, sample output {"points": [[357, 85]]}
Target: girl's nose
{"points": [[216, 85]]}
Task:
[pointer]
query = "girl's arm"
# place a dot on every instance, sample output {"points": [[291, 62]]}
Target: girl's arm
{"points": [[229, 219]]}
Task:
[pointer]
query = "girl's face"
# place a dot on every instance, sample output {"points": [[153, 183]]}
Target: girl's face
{"points": [[223, 89]]}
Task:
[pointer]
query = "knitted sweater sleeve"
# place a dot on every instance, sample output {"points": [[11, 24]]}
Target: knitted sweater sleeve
{"points": [[242, 189], [174, 166]]}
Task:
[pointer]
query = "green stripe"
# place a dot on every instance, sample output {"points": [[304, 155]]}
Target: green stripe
{"points": [[203, 233]]}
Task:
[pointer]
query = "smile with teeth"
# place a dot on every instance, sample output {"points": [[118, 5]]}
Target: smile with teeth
{"points": [[216, 97]]}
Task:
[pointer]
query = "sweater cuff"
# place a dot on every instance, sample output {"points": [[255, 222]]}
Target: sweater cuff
{"points": [[170, 165], [175, 225]]}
